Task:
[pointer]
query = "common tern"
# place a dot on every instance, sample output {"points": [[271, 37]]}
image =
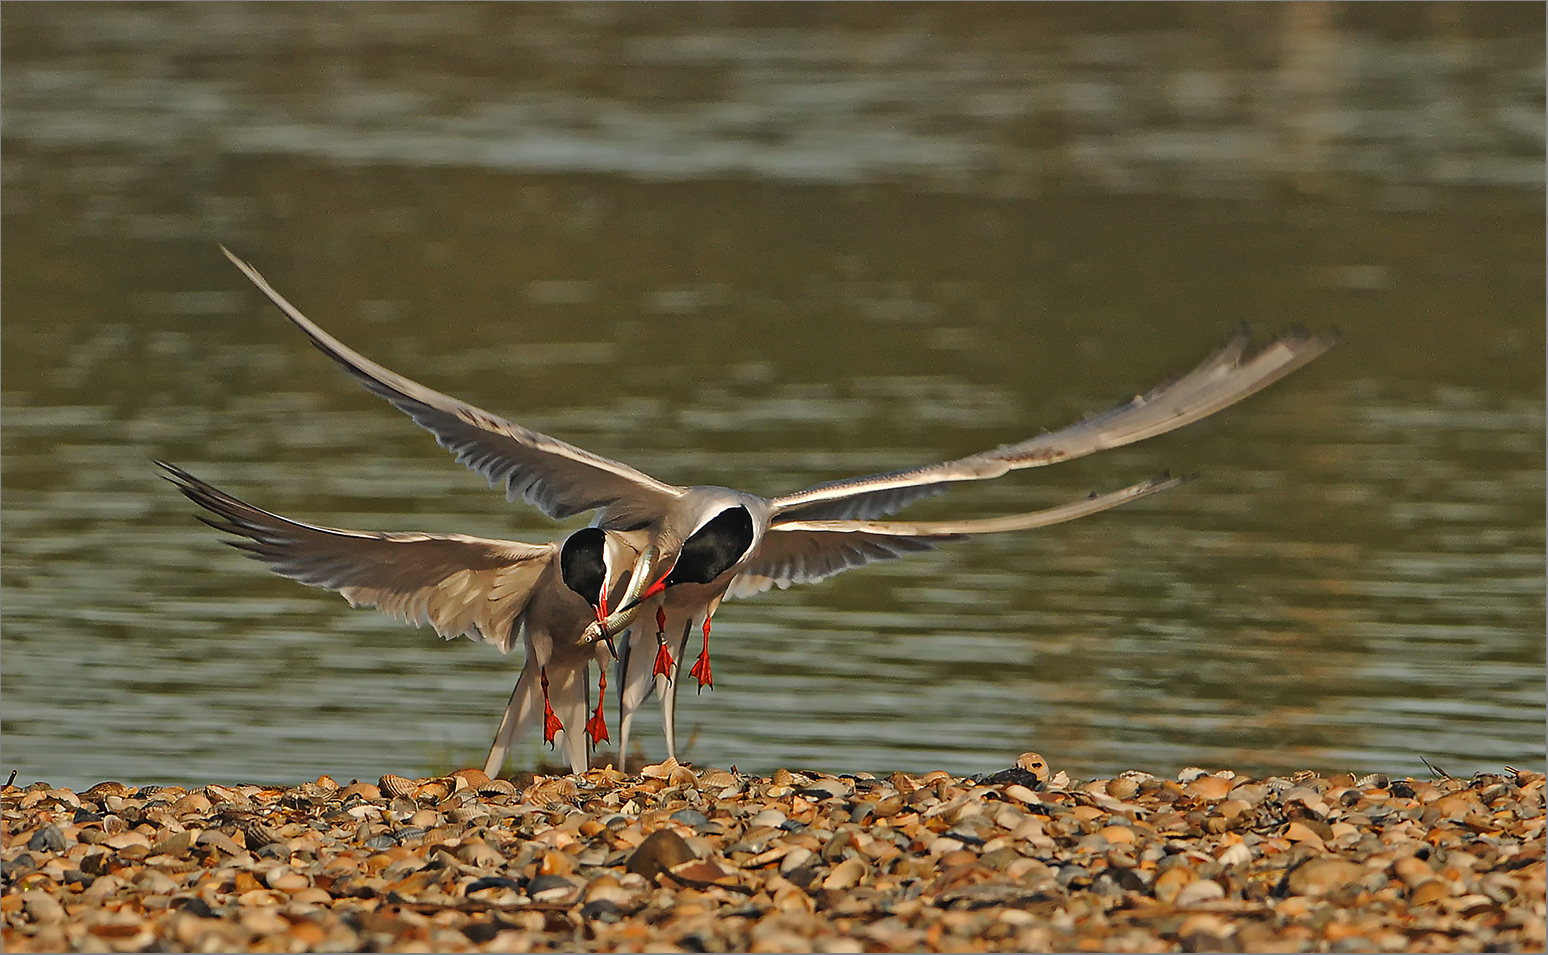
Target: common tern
{"points": [[553, 595]]}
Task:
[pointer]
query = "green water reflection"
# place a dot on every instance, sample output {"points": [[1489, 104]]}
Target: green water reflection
{"points": [[701, 253]]}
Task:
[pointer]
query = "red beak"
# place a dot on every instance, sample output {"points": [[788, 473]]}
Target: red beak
{"points": [[650, 592]]}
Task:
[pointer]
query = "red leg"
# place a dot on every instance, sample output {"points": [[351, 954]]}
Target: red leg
{"points": [[663, 655], [701, 667], [551, 724], [596, 727]]}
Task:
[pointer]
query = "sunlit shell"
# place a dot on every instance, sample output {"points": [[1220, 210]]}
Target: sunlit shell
{"points": [[497, 787], [659, 770], [393, 786], [1122, 787], [471, 777], [551, 789], [431, 791]]}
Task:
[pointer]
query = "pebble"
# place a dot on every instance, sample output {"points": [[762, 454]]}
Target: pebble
{"points": [[687, 858], [1323, 876]]}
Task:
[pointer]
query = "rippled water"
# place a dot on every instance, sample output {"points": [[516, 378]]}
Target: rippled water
{"points": [[732, 276]]}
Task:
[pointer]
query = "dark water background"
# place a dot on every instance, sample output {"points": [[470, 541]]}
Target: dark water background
{"points": [[765, 247]]}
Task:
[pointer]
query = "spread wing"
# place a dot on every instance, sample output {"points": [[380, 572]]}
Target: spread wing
{"points": [[558, 478], [1221, 381], [463, 586], [795, 552]]}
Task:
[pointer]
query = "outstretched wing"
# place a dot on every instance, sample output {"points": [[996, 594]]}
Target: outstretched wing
{"points": [[463, 586], [558, 478], [1222, 380], [794, 552]]}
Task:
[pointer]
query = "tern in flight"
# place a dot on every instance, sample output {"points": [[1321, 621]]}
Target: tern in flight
{"points": [[710, 542], [553, 595]]}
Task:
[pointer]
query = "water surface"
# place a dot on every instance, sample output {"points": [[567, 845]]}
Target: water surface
{"points": [[767, 253]]}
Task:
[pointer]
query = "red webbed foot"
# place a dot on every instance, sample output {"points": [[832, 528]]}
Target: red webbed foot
{"points": [[701, 670], [596, 727], [663, 661], [663, 655], [701, 667], [551, 724]]}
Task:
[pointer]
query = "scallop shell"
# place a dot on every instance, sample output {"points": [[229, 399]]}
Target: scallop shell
{"points": [[109, 788], [683, 776], [393, 786], [659, 770], [1122, 787], [471, 777], [464, 814], [431, 791], [552, 789], [716, 779], [498, 787]]}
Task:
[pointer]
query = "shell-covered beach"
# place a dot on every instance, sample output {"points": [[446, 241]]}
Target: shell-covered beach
{"points": [[682, 858]]}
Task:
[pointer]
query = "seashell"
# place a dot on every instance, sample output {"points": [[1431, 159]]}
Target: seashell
{"points": [[660, 851], [257, 835], [606, 888], [550, 790], [845, 875], [717, 779], [466, 814], [789, 899], [1322, 876], [193, 804], [431, 792], [771, 817], [1198, 892], [409, 835], [1208, 788], [395, 786], [173, 844], [223, 795], [659, 770], [497, 787], [682, 776], [702, 871], [552, 889], [795, 858], [127, 838], [1033, 763], [1122, 787], [477, 852], [472, 777], [1236, 854], [443, 833]]}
